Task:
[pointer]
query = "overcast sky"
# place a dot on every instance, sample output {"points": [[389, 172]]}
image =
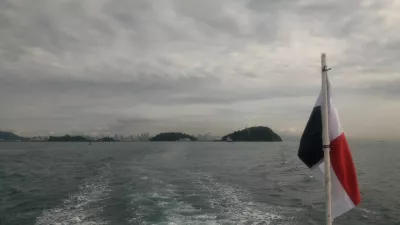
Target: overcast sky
{"points": [[196, 66]]}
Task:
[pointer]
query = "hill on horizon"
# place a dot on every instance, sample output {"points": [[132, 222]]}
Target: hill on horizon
{"points": [[172, 136], [10, 136], [67, 138], [106, 139], [258, 133]]}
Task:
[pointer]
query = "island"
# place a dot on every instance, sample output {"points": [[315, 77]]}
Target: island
{"points": [[106, 139], [252, 134], [258, 133], [173, 136], [67, 138], [9, 136]]}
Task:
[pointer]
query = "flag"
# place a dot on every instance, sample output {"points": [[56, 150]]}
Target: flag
{"points": [[344, 185]]}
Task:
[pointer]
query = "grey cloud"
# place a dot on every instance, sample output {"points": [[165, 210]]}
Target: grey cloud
{"points": [[269, 6], [211, 14], [54, 27], [375, 57], [177, 124], [389, 89], [96, 62], [156, 89], [230, 96]]}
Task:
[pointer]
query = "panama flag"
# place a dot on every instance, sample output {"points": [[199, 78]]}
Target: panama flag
{"points": [[345, 193]]}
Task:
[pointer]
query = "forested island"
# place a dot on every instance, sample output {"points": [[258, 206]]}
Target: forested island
{"points": [[107, 139], [253, 134], [67, 138], [173, 136], [9, 136]]}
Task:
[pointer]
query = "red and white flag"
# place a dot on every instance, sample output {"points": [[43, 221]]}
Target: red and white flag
{"points": [[345, 192]]}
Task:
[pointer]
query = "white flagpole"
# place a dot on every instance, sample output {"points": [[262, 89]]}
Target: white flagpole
{"points": [[325, 140]]}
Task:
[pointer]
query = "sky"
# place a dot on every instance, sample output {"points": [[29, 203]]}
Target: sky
{"points": [[137, 66]]}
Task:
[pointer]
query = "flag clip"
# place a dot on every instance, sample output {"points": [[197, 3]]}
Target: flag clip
{"points": [[325, 146], [325, 69]]}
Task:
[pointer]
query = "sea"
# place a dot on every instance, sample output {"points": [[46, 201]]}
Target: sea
{"points": [[185, 183]]}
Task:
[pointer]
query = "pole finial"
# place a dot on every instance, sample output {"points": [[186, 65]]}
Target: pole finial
{"points": [[323, 61]]}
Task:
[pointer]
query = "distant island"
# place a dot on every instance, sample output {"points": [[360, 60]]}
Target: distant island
{"points": [[67, 138], [107, 139], [253, 134], [9, 136], [173, 136]]}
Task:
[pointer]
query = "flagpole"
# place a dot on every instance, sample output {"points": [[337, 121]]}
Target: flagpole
{"points": [[325, 140]]}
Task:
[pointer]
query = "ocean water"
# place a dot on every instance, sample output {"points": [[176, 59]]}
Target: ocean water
{"points": [[185, 183]]}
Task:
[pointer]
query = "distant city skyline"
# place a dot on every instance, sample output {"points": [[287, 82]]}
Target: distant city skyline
{"points": [[196, 67]]}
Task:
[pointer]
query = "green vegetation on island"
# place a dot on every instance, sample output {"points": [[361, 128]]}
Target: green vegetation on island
{"points": [[173, 136], [253, 134], [67, 138], [9, 136], [107, 139]]}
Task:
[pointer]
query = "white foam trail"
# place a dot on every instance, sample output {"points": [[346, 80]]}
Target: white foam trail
{"points": [[164, 197], [229, 205], [367, 213], [79, 207], [235, 205]]}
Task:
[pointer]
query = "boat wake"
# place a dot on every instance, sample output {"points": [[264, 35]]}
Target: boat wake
{"points": [[235, 206], [163, 204], [83, 207], [207, 202]]}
